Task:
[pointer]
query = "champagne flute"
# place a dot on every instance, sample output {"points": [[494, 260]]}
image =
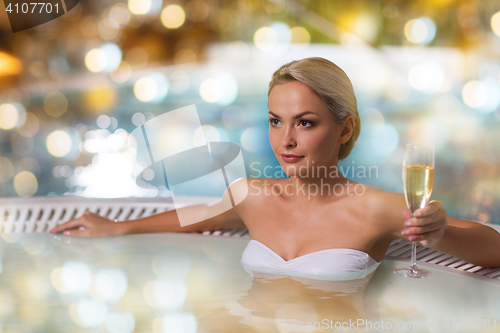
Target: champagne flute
{"points": [[418, 176]]}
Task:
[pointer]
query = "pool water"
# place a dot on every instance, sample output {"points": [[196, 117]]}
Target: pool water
{"points": [[194, 283]]}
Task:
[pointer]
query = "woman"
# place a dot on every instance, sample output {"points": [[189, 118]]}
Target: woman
{"points": [[342, 233]]}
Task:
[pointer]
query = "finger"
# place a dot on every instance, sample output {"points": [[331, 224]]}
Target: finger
{"points": [[76, 233], [427, 236], [421, 221], [68, 225], [407, 215], [423, 229], [429, 209]]}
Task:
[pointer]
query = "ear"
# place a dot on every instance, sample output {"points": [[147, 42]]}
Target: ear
{"points": [[347, 129]]}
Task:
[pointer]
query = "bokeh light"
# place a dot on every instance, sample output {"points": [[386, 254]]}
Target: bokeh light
{"points": [[6, 170], [9, 116], [58, 143], [30, 126], [495, 23], [300, 38], [420, 31], [173, 16], [139, 7], [152, 88], [221, 89], [25, 184], [55, 104], [96, 60]]}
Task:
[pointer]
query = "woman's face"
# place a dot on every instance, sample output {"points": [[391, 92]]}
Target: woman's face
{"points": [[300, 124]]}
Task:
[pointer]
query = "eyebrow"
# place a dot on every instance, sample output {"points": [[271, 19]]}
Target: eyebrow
{"points": [[296, 116]]}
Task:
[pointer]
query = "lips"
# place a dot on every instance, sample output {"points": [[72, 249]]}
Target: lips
{"points": [[290, 157]]}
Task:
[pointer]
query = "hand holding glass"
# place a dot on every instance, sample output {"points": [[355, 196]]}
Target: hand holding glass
{"points": [[418, 177]]}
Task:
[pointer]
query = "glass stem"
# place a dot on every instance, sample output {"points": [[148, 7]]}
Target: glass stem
{"points": [[413, 265]]}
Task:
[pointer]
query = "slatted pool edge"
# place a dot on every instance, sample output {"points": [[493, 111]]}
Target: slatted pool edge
{"points": [[40, 214]]}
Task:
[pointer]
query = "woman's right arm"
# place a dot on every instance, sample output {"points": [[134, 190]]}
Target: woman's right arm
{"points": [[93, 225]]}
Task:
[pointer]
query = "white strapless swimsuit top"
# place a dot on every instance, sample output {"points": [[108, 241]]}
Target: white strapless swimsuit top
{"points": [[329, 265]]}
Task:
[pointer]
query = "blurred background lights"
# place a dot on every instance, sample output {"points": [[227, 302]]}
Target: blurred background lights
{"points": [[474, 94], [254, 139], [495, 23], [120, 14], [30, 126], [25, 184], [421, 30], [265, 38], [138, 119], [106, 58], [96, 60], [238, 52], [6, 169], [152, 88], [179, 81], [58, 143], [113, 56], [88, 313], [176, 322], [139, 7], [233, 117], [9, 116], [103, 121], [300, 38], [221, 89], [55, 104], [426, 77], [274, 39], [173, 16], [211, 90]]}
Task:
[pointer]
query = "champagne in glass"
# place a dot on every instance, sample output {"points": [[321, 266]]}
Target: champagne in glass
{"points": [[418, 178]]}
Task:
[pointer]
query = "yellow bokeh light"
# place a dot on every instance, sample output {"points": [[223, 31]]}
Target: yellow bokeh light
{"points": [[25, 184], [173, 16], [96, 60], [55, 104], [58, 143], [495, 23], [265, 38], [139, 7], [9, 116], [300, 38], [6, 170], [101, 98]]}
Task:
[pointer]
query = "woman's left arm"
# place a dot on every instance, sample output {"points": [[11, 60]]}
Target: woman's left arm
{"points": [[470, 241]]}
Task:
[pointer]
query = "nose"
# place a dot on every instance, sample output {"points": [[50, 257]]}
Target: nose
{"points": [[288, 139]]}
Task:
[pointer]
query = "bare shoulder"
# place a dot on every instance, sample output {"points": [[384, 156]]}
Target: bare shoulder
{"points": [[386, 208], [249, 192]]}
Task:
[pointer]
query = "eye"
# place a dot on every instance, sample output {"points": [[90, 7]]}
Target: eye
{"points": [[303, 122], [273, 121]]}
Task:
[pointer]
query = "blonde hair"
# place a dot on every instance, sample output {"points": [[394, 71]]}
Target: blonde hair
{"points": [[328, 82]]}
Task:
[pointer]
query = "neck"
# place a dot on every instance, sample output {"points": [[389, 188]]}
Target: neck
{"points": [[320, 188]]}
